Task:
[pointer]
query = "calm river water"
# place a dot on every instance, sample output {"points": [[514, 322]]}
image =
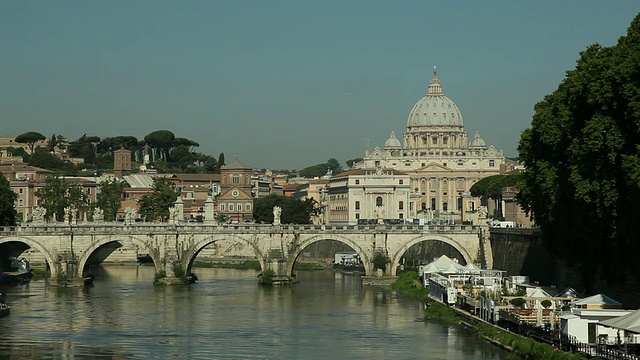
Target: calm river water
{"points": [[225, 315]]}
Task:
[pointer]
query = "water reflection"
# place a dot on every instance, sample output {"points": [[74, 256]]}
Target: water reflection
{"points": [[225, 315]]}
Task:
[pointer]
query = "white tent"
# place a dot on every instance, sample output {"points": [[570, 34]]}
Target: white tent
{"points": [[629, 322]]}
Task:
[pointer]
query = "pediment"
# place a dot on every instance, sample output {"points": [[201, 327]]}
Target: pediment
{"points": [[229, 195], [434, 167]]}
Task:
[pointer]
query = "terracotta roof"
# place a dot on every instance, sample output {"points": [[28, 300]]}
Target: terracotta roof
{"points": [[236, 164], [197, 177]]}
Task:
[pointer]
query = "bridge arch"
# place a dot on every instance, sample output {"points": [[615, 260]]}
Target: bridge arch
{"points": [[101, 241], [293, 255], [395, 258], [193, 251], [48, 255]]}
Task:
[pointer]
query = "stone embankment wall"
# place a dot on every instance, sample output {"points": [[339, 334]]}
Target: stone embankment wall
{"points": [[521, 251]]}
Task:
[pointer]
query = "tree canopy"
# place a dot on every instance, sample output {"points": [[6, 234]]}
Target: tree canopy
{"points": [[294, 211], [156, 204], [319, 170], [7, 203], [57, 194], [110, 198], [30, 138], [582, 156]]}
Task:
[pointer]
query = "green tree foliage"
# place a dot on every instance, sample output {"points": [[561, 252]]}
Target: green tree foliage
{"points": [[56, 141], [221, 162], [518, 302], [582, 155], [319, 170], [491, 188], [380, 261], [57, 194], [350, 162], [85, 147], [7, 203], [44, 159], [162, 141], [110, 198], [156, 204], [30, 138], [294, 211]]}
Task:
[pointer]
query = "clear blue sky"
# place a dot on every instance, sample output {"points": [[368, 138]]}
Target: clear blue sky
{"points": [[287, 84]]}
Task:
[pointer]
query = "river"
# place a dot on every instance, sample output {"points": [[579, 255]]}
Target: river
{"points": [[225, 315]]}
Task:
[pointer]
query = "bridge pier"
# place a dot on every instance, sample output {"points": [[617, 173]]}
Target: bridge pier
{"points": [[279, 264], [67, 273]]}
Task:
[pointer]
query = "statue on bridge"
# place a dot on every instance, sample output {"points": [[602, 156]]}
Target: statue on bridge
{"points": [[98, 214], [277, 210], [173, 215], [39, 214], [129, 215]]}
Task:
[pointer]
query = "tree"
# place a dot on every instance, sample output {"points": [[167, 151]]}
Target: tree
{"points": [[319, 170], [57, 194], [294, 211], [221, 162], [30, 138], [380, 260], [156, 204], [582, 182], [353, 161], [162, 141], [110, 198], [491, 187], [7, 203]]}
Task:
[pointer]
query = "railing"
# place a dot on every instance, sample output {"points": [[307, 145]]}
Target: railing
{"points": [[118, 227]]}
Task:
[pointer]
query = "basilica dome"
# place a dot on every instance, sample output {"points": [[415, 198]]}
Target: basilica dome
{"points": [[392, 142], [435, 109]]}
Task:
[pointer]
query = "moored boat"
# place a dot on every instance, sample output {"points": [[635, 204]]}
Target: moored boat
{"points": [[4, 309]]}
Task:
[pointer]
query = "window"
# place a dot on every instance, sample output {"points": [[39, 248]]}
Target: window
{"points": [[357, 216], [222, 207], [247, 207], [491, 163], [20, 191], [445, 206], [433, 203], [357, 181], [401, 205], [444, 140], [400, 216], [20, 202], [236, 179], [424, 206], [231, 207], [379, 201], [400, 181], [357, 205]]}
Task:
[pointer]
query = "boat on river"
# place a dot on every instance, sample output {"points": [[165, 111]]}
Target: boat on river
{"points": [[18, 272], [4, 309], [88, 280]]}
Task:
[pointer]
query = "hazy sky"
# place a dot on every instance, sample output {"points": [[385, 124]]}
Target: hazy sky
{"points": [[287, 84]]}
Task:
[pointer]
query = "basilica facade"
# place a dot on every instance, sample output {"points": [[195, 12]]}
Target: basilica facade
{"points": [[441, 161]]}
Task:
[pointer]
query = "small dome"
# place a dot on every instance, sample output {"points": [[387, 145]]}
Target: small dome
{"points": [[392, 142], [435, 109], [477, 141]]}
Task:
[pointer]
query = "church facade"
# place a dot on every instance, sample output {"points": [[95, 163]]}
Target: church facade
{"points": [[439, 158]]}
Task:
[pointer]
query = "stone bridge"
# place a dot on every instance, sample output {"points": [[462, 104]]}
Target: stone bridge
{"points": [[72, 248]]}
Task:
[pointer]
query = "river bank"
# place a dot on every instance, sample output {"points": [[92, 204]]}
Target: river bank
{"points": [[409, 285]]}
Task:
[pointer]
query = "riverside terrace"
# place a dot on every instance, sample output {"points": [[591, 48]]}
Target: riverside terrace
{"points": [[71, 248]]}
